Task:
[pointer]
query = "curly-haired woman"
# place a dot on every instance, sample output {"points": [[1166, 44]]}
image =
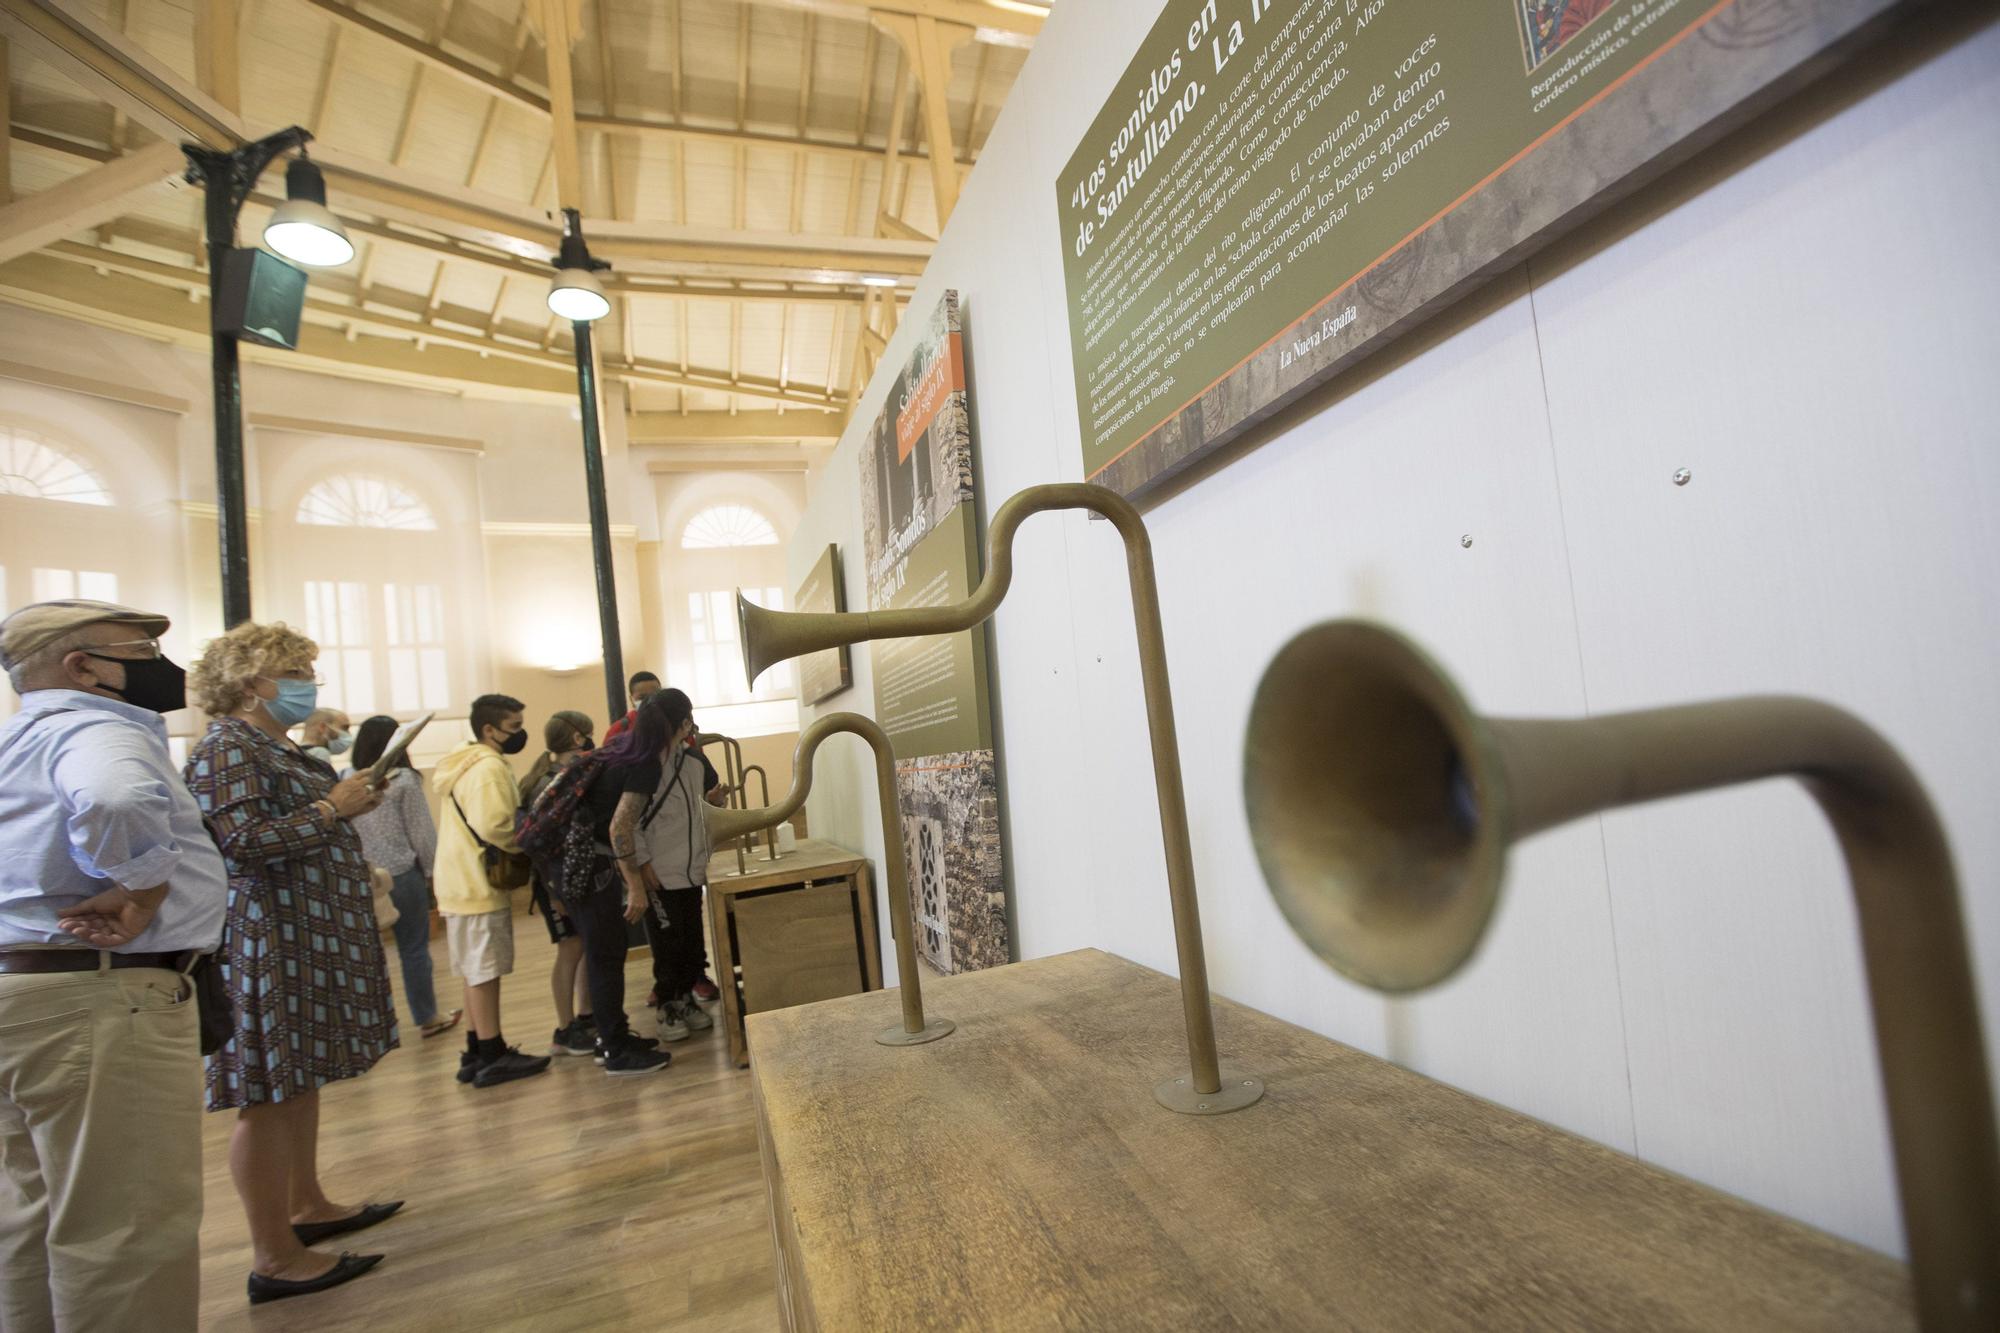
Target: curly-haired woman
{"points": [[299, 950]]}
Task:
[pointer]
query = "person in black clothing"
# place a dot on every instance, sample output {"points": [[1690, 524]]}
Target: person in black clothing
{"points": [[567, 736], [659, 839], [601, 910]]}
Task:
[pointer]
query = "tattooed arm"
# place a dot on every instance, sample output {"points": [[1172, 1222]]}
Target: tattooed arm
{"points": [[624, 850]]}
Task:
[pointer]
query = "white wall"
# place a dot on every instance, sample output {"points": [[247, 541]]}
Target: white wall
{"points": [[1806, 319]]}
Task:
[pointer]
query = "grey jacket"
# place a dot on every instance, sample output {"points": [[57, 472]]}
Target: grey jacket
{"points": [[675, 843]]}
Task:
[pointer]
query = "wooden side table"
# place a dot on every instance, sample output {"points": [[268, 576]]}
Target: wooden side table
{"points": [[803, 922], [1019, 1174]]}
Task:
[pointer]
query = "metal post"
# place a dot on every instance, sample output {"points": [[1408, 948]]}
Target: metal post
{"points": [[226, 179], [600, 523], [232, 532]]}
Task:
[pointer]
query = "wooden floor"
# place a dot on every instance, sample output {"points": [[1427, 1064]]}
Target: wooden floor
{"points": [[569, 1200]]}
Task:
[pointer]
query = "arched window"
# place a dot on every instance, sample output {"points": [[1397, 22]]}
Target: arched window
{"points": [[30, 466], [727, 525], [355, 501]]}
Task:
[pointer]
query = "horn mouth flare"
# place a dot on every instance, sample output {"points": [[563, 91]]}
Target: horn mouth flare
{"points": [[751, 667], [1376, 803]]}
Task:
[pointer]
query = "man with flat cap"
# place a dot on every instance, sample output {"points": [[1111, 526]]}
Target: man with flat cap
{"points": [[109, 889]]}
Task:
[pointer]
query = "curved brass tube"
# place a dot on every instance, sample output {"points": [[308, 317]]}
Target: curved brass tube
{"points": [[732, 773], [735, 823], [770, 637], [763, 790], [1382, 808]]}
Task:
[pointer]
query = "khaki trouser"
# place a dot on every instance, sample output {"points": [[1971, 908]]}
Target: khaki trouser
{"points": [[100, 1152]]}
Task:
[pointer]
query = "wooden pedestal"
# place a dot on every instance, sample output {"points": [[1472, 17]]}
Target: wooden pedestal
{"points": [[1019, 1174], [802, 928]]}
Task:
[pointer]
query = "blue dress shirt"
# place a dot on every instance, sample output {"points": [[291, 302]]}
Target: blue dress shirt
{"points": [[89, 796]]}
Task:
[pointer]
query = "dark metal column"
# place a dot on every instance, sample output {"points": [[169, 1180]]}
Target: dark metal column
{"points": [[227, 178], [600, 524], [232, 531], [233, 525]]}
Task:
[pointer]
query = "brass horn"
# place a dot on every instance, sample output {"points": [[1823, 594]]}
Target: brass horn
{"points": [[770, 637], [764, 791], [736, 823], [1382, 808], [732, 773]]}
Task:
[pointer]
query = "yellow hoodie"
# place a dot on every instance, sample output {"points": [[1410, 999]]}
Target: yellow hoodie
{"points": [[485, 786]]}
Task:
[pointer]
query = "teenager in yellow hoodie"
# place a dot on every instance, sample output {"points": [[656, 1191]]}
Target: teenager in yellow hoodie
{"points": [[477, 800]]}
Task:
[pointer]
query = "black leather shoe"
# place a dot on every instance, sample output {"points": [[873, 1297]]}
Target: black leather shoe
{"points": [[312, 1233], [351, 1266]]}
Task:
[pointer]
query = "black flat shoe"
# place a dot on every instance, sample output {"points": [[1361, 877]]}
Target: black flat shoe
{"points": [[351, 1266], [312, 1233]]}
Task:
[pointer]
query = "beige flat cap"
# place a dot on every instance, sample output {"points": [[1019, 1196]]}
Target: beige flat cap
{"points": [[36, 626]]}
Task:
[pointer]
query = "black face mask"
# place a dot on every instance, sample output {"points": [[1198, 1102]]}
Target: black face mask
{"points": [[515, 743], [153, 682], [586, 745]]}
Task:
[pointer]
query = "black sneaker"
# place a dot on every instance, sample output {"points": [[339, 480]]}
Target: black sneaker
{"points": [[468, 1066], [631, 1039], [629, 1058], [575, 1039], [510, 1066]]}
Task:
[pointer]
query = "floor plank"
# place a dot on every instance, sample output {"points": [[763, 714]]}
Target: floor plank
{"points": [[570, 1199]]}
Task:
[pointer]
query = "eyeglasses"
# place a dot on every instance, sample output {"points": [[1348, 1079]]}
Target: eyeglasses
{"points": [[148, 648]]}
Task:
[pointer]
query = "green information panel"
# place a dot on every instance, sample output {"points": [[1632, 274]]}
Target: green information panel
{"points": [[1242, 218], [919, 548]]}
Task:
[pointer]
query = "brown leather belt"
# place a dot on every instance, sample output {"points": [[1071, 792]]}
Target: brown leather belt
{"points": [[82, 960]]}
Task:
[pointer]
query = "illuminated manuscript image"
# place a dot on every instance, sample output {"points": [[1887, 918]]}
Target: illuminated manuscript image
{"points": [[1547, 24]]}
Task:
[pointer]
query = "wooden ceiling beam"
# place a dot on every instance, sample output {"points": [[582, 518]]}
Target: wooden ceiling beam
{"points": [[460, 214], [59, 143], [110, 64], [125, 291], [735, 138], [97, 196], [329, 76], [116, 300], [891, 225], [976, 101], [217, 69], [927, 44], [6, 126], [742, 428], [994, 23], [562, 106], [703, 462], [433, 55]]}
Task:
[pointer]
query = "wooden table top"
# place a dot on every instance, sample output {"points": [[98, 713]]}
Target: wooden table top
{"points": [[811, 859], [1019, 1174]]}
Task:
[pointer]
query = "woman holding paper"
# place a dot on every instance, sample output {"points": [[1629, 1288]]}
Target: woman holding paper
{"points": [[400, 837], [301, 956]]}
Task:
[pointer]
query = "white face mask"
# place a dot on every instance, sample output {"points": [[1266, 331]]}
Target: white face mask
{"points": [[339, 744]]}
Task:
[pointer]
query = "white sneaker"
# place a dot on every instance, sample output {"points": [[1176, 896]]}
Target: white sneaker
{"points": [[673, 1020], [697, 1018]]}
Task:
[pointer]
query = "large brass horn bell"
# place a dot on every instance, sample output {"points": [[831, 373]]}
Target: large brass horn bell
{"points": [[1375, 806], [1382, 807]]}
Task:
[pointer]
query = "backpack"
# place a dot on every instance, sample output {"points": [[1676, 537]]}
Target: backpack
{"points": [[557, 835]]}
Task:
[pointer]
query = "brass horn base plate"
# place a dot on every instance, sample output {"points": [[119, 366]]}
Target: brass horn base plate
{"points": [[1238, 1091], [933, 1029]]}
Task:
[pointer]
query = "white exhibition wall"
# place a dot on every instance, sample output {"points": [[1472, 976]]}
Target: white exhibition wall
{"points": [[1805, 318]]}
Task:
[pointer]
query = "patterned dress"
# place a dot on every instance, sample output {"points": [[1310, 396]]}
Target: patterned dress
{"points": [[301, 955]]}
